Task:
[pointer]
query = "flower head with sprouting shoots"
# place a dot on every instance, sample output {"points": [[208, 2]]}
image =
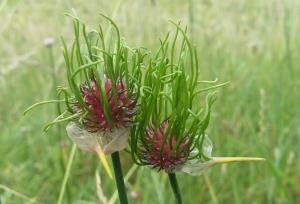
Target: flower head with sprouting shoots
{"points": [[102, 74], [174, 115], [100, 102]]}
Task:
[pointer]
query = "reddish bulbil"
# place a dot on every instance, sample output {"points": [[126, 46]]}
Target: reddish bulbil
{"points": [[120, 106], [169, 158]]}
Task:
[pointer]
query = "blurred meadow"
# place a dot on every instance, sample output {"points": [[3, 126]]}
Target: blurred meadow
{"points": [[254, 44]]}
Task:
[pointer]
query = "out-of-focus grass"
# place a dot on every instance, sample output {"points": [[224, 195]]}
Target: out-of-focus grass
{"points": [[254, 44]]}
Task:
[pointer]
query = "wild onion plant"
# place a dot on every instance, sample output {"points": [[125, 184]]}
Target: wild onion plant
{"points": [[171, 131], [113, 95], [100, 101]]}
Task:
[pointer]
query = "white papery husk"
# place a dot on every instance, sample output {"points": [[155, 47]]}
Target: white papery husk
{"points": [[197, 167], [109, 141]]}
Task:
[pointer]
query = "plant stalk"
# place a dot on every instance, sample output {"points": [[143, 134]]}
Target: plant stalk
{"points": [[175, 187], [119, 177], [67, 174]]}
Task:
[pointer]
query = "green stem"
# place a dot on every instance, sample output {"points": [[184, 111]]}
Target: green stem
{"points": [[67, 174], [119, 178], [175, 188]]}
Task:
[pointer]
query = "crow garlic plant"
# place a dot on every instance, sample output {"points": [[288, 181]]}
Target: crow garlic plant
{"points": [[117, 95], [171, 133], [100, 102]]}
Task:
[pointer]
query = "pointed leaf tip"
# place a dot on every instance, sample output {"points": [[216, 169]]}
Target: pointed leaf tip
{"points": [[104, 161], [223, 160]]}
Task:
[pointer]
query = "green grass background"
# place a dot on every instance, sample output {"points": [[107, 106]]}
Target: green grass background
{"points": [[253, 43]]}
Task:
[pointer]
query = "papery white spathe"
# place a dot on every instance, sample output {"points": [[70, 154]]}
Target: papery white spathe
{"points": [[197, 167], [109, 141]]}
